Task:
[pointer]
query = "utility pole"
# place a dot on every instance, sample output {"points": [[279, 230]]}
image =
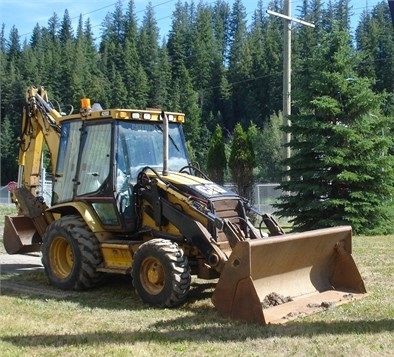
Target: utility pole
{"points": [[287, 80], [391, 6], [287, 20]]}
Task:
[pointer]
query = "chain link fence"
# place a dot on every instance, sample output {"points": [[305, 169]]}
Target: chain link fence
{"points": [[264, 195], [5, 196], [45, 191]]}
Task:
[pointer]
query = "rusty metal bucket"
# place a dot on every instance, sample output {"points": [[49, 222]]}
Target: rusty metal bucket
{"points": [[20, 235], [278, 279]]}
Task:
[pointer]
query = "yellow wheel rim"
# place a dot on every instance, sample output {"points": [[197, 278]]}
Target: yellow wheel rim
{"points": [[61, 257], [152, 276]]}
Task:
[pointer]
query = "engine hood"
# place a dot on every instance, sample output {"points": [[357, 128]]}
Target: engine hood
{"points": [[198, 186]]}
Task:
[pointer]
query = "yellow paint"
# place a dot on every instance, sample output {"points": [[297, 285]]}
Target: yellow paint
{"points": [[116, 256]]}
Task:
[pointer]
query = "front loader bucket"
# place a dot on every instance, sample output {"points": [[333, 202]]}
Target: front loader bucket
{"points": [[20, 236], [275, 280]]}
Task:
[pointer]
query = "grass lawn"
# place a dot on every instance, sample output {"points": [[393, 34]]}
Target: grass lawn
{"points": [[112, 321]]}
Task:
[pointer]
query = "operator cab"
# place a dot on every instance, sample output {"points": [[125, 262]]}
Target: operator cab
{"points": [[100, 158]]}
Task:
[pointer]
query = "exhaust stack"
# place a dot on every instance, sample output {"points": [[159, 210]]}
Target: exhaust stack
{"points": [[165, 143]]}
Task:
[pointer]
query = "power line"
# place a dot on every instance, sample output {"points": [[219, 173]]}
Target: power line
{"points": [[106, 7], [297, 3]]}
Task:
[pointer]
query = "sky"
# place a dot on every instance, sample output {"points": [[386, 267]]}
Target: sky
{"points": [[25, 14]]}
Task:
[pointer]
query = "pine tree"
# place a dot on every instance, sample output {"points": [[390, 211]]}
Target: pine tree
{"points": [[240, 66], [66, 32], [204, 55], [113, 39], [148, 50], [221, 89], [36, 37], [259, 64], [50, 54], [114, 25], [64, 86], [131, 26], [242, 162], [13, 46], [80, 67], [29, 66], [305, 40], [271, 83], [163, 86], [118, 94], [12, 83], [216, 159], [134, 77], [375, 42], [267, 145], [3, 63], [179, 39], [366, 41], [340, 171], [94, 77], [9, 152], [221, 26], [188, 103], [342, 12]]}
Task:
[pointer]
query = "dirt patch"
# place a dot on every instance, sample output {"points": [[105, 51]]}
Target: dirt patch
{"points": [[15, 265], [29, 289], [274, 299]]}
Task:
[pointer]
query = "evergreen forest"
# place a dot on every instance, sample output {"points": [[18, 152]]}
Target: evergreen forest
{"points": [[224, 69]]}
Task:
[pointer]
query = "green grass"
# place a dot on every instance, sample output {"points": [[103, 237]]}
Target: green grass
{"points": [[112, 321], [6, 210]]}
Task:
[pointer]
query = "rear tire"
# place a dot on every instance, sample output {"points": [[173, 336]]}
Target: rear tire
{"points": [[71, 254], [161, 273]]}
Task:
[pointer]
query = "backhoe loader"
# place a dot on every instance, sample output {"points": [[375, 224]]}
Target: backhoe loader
{"points": [[127, 200]]}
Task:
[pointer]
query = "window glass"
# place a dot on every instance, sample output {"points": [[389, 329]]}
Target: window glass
{"points": [[141, 144], [67, 162], [95, 158], [106, 212]]}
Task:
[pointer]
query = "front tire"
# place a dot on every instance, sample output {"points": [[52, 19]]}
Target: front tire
{"points": [[161, 273], [71, 254]]}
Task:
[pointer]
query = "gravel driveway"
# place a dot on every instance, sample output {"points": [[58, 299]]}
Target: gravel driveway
{"points": [[18, 263]]}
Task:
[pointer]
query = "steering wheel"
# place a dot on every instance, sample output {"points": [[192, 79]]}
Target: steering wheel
{"points": [[184, 169]]}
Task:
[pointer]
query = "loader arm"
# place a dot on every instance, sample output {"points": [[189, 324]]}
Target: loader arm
{"points": [[194, 232]]}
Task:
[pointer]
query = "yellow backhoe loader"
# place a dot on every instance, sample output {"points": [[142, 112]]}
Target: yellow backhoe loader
{"points": [[126, 200]]}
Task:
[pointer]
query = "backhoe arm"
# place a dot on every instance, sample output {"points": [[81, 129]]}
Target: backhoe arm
{"points": [[40, 122]]}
